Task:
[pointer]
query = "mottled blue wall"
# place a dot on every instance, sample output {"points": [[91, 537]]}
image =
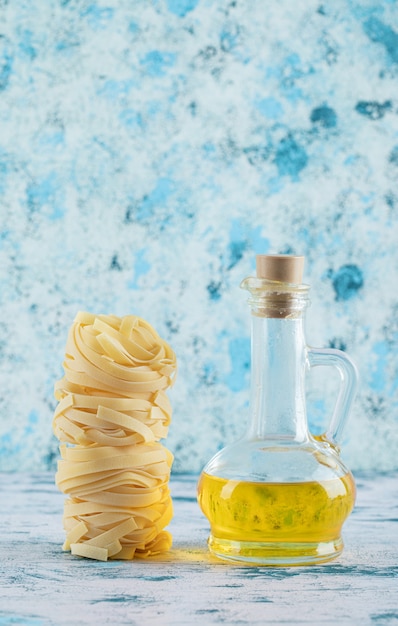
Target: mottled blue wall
{"points": [[148, 150]]}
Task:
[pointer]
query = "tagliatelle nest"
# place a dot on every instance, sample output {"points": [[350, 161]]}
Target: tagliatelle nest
{"points": [[111, 415]]}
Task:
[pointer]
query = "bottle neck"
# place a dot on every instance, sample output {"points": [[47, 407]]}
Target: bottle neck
{"points": [[278, 409]]}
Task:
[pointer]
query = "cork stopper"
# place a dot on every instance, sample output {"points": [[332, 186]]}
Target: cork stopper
{"points": [[284, 268]]}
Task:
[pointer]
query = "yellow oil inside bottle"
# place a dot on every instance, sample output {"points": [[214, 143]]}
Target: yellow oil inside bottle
{"points": [[282, 521]]}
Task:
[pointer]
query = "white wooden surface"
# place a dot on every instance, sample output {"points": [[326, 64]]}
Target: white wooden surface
{"points": [[40, 585]]}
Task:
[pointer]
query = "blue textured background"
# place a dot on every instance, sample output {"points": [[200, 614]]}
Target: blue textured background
{"points": [[148, 150]]}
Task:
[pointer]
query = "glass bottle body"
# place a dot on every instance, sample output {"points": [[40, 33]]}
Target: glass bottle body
{"points": [[280, 496]]}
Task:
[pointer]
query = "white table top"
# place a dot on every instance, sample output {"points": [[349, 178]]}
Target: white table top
{"points": [[40, 585]]}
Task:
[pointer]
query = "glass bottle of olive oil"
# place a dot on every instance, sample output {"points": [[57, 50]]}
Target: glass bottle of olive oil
{"points": [[280, 495]]}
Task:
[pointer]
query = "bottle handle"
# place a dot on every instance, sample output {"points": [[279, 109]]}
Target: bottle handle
{"points": [[348, 387]]}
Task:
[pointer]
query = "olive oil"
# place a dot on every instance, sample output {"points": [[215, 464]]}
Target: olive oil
{"points": [[287, 520], [279, 496]]}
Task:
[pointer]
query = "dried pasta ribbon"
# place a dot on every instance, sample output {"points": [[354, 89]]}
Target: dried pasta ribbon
{"points": [[112, 413]]}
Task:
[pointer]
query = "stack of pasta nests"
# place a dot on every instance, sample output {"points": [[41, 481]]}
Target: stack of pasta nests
{"points": [[111, 415]]}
